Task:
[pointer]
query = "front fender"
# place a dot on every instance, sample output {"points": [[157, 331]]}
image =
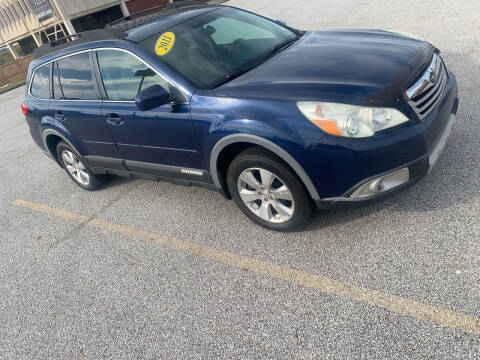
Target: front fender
{"points": [[269, 145], [275, 125]]}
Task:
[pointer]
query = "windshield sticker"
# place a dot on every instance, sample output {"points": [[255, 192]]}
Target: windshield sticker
{"points": [[165, 43]]}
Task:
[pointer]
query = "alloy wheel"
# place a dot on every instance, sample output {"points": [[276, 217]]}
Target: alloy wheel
{"points": [[75, 167], [266, 195]]}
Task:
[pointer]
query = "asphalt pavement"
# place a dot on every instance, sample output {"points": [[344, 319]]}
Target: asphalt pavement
{"points": [[152, 270]]}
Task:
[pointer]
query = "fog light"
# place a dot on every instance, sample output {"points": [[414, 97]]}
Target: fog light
{"points": [[382, 184]]}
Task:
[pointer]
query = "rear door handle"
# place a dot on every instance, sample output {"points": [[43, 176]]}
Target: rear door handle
{"points": [[115, 120], [60, 116]]}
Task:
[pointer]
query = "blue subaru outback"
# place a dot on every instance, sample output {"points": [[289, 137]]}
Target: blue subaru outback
{"points": [[277, 119]]}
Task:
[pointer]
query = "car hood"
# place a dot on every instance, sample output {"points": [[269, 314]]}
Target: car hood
{"points": [[359, 66]]}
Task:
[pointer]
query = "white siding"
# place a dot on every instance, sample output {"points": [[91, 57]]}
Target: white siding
{"points": [[14, 24], [17, 21]]}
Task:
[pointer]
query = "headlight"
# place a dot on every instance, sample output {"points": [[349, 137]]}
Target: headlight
{"points": [[350, 120]]}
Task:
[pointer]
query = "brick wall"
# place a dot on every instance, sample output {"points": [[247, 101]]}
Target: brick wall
{"points": [[15, 71], [139, 5]]}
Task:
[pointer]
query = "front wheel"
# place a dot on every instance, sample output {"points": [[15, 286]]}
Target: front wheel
{"points": [[268, 191]]}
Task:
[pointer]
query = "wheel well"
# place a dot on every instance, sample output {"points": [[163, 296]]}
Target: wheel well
{"points": [[52, 142], [231, 151], [224, 160]]}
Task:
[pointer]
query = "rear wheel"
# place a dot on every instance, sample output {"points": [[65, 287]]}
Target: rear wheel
{"points": [[77, 170], [268, 191]]}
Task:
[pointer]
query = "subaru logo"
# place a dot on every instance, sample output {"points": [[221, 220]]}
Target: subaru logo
{"points": [[433, 77]]}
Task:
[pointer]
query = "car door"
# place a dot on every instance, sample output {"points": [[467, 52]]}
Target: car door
{"points": [[160, 141], [76, 103]]}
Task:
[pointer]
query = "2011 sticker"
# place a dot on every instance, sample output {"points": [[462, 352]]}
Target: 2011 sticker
{"points": [[165, 43]]}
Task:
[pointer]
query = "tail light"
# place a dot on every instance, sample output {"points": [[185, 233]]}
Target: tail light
{"points": [[24, 109]]}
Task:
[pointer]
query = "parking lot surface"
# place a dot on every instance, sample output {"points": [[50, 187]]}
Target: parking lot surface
{"points": [[145, 270]]}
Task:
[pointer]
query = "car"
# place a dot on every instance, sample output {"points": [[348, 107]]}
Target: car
{"points": [[280, 120]]}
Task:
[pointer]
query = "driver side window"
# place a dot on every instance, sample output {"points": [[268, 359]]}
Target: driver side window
{"points": [[124, 76]]}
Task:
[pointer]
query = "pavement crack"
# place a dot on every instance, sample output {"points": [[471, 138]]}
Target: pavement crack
{"points": [[82, 225]]}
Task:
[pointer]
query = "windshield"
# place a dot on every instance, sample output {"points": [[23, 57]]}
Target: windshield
{"points": [[213, 48]]}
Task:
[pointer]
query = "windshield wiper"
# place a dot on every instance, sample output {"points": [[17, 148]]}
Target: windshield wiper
{"points": [[279, 47], [255, 62]]}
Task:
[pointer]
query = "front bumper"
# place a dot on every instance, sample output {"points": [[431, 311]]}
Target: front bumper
{"points": [[435, 131]]}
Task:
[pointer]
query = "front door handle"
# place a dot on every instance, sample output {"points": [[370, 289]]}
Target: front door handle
{"points": [[60, 116], [115, 120]]}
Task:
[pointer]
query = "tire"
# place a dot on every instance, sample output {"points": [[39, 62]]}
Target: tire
{"points": [[281, 204], [77, 170]]}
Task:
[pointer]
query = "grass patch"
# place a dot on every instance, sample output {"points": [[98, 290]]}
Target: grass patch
{"points": [[12, 86]]}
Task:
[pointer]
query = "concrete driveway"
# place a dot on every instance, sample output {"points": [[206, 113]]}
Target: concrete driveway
{"points": [[144, 270]]}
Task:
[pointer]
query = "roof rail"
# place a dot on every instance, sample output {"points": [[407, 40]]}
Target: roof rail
{"points": [[77, 39], [65, 39], [173, 6]]}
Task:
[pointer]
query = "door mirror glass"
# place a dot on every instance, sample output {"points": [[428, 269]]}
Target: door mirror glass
{"points": [[152, 97]]}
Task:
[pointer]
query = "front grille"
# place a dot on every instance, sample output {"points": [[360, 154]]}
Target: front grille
{"points": [[425, 94]]}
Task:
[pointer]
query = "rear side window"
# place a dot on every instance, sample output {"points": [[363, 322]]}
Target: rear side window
{"points": [[124, 76], [73, 78], [41, 83]]}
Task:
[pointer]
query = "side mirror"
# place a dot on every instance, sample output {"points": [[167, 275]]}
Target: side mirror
{"points": [[152, 97], [281, 22]]}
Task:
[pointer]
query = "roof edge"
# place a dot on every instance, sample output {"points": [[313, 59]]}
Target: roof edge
{"points": [[77, 39]]}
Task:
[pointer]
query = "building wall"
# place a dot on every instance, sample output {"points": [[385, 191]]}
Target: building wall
{"points": [[76, 8], [17, 20], [98, 20], [15, 71], [139, 5]]}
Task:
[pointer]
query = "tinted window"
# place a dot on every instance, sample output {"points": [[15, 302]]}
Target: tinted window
{"points": [[215, 47], [73, 79], [41, 83], [235, 27], [124, 76]]}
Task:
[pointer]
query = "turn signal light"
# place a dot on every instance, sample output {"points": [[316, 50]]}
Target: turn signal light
{"points": [[329, 126], [24, 109]]}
